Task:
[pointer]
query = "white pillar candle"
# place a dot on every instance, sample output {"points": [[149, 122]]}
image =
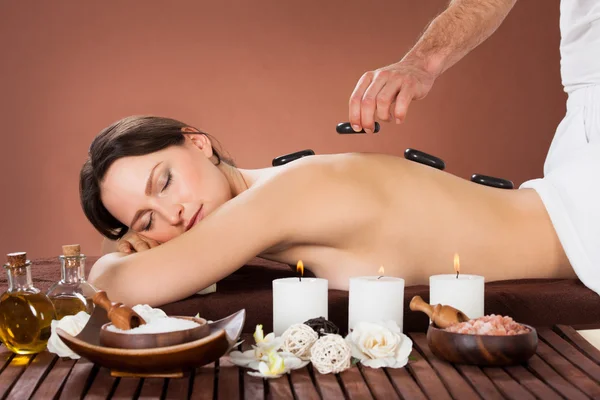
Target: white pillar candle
{"points": [[298, 300], [375, 299], [465, 293]]}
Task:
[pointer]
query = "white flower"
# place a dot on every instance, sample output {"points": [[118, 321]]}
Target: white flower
{"points": [[273, 368], [265, 344], [266, 354], [379, 344], [72, 324], [277, 364], [148, 313]]}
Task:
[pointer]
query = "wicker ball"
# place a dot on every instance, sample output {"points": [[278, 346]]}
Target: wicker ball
{"points": [[323, 326], [298, 339], [331, 354]]}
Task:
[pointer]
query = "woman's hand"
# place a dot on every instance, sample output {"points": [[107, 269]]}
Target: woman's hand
{"points": [[135, 242]]}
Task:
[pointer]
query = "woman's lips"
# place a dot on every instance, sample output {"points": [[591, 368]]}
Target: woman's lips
{"points": [[197, 217]]}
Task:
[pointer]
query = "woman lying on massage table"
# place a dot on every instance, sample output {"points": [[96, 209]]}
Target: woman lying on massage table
{"points": [[158, 180]]}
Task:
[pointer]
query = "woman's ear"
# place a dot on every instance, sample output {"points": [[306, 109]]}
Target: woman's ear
{"points": [[200, 140]]}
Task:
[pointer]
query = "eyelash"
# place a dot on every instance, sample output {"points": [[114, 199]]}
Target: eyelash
{"points": [[169, 181], [167, 184]]}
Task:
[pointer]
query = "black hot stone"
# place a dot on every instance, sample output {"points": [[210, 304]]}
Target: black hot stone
{"points": [[286, 158], [491, 181], [424, 158], [322, 326], [346, 128]]}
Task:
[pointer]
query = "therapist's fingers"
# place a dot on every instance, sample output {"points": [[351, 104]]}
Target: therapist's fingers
{"points": [[369, 101], [386, 98], [403, 100], [356, 100]]}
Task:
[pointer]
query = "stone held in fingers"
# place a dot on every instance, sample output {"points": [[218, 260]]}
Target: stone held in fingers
{"points": [[346, 128]]}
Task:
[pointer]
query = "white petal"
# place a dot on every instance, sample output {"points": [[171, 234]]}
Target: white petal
{"points": [[277, 342], [398, 363], [292, 362], [263, 368], [242, 359], [355, 350], [392, 326], [405, 348], [377, 363], [269, 337]]}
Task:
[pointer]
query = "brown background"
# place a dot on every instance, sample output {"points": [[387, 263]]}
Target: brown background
{"points": [[265, 77]]}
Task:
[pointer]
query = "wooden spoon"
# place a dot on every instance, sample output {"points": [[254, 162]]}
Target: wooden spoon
{"points": [[121, 316], [441, 315]]}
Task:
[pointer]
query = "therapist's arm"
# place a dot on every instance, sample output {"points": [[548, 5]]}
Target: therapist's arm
{"points": [[387, 92]]}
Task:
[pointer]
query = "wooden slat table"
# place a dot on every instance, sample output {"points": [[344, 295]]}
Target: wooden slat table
{"points": [[565, 366]]}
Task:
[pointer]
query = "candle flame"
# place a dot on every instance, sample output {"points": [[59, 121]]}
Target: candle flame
{"points": [[300, 268], [381, 271], [456, 264]]}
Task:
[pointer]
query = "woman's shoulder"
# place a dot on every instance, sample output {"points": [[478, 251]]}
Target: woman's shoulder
{"points": [[323, 165], [320, 178]]}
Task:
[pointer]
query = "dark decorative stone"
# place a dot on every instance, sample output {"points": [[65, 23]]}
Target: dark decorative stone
{"points": [[491, 181], [286, 158], [424, 158], [322, 326], [346, 128]]}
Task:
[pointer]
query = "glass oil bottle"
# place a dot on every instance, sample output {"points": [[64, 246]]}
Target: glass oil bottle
{"points": [[72, 293], [25, 313]]}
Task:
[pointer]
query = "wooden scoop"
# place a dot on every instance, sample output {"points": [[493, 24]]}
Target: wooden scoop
{"points": [[120, 315], [442, 316]]}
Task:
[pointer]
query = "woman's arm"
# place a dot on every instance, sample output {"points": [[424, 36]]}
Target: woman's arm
{"points": [[224, 241]]}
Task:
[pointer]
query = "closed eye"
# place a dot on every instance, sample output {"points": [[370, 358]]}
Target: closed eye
{"points": [[168, 182], [149, 224]]}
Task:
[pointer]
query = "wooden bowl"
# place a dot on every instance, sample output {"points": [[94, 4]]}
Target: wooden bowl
{"points": [[153, 340], [482, 350], [169, 361]]}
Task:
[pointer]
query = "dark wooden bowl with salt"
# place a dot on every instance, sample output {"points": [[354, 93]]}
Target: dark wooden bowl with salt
{"points": [[482, 350]]}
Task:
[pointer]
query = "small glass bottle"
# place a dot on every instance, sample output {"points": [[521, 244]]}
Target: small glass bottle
{"points": [[25, 313], [72, 293]]}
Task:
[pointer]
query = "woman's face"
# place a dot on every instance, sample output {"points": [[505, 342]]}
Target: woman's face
{"points": [[163, 194]]}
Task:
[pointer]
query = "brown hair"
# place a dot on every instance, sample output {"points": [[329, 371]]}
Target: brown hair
{"points": [[131, 136]]}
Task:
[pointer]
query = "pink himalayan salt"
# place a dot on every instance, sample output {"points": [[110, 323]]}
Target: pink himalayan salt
{"points": [[159, 325], [493, 325]]}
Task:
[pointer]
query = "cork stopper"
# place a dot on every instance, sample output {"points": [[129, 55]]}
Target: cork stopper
{"points": [[71, 250], [16, 260]]}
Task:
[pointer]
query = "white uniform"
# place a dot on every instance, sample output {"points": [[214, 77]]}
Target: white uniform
{"points": [[570, 188]]}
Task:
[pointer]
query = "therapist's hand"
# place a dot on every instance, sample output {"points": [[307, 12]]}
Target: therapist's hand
{"points": [[386, 93]]}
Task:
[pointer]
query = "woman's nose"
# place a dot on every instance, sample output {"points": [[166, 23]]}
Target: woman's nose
{"points": [[175, 214]]}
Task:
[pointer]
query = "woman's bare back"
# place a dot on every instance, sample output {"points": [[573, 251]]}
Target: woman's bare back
{"points": [[363, 211]]}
